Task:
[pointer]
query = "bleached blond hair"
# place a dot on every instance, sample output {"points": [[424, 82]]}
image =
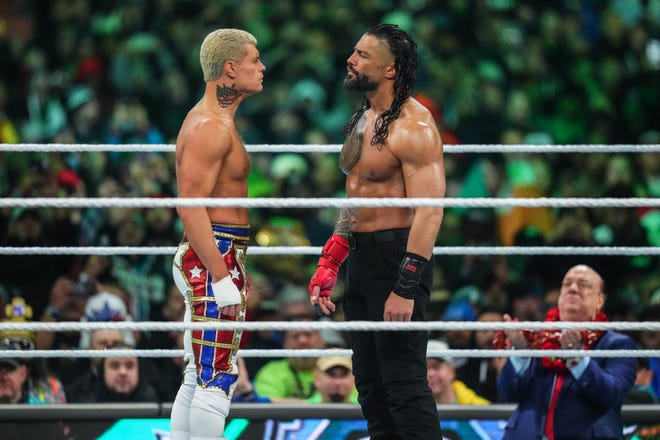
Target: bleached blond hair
{"points": [[220, 46]]}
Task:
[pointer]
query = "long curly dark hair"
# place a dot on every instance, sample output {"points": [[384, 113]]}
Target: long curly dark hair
{"points": [[404, 49]]}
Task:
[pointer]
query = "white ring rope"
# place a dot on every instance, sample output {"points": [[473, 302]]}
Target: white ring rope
{"points": [[326, 202], [316, 250], [337, 203], [255, 353], [326, 325], [335, 148]]}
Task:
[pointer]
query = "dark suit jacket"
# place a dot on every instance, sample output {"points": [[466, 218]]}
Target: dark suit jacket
{"points": [[587, 408]]}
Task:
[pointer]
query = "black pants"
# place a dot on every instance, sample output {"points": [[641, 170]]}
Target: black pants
{"points": [[389, 366]]}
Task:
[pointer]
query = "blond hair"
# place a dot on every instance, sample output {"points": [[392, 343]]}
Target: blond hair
{"points": [[220, 46]]}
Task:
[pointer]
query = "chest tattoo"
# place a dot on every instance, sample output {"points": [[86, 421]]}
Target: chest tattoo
{"points": [[350, 152]]}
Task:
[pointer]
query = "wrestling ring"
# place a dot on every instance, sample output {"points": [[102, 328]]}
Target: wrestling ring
{"points": [[632, 414]]}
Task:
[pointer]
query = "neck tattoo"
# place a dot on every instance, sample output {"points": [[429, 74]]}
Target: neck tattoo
{"points": [[226, 95]]}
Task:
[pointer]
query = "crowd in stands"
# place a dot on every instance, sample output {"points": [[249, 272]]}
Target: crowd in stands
{"points": [[491, 72]]}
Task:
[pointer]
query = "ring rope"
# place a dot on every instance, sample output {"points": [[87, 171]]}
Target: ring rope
{"points": [[326, 325], [335, 148], [278, 202], [326, 202], [316, 250], [257, 353]]}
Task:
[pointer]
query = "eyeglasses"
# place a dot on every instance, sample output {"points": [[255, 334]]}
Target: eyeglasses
{"points": [[18, 343]]}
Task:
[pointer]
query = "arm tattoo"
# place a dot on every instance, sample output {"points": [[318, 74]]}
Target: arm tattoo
{"points": [[341, 227], [226, 95]]}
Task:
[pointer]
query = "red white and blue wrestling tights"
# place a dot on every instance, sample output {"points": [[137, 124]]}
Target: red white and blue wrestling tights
{"points": [[211, 373]]}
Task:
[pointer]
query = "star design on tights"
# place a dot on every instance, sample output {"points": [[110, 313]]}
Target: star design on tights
{"points": [[196, 272], [235, 273]]}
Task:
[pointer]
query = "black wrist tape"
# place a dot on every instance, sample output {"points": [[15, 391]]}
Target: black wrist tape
{"points": [[410, 273]]}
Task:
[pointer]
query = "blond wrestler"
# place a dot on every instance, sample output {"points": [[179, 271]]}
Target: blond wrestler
{"points": [[209, 265]]}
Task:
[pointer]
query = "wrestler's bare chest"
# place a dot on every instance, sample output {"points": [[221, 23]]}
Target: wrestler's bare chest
{"points": [[361, 160], [237, 162]]}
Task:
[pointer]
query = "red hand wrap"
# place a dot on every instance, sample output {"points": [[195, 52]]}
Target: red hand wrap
{"points": [[334, 253]]}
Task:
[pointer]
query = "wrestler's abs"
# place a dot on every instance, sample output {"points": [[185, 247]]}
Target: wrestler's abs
{"points": [[377, 185]]}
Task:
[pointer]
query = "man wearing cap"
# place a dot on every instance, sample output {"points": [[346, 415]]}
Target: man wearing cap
{"points": [[13, 376], [442, 378], [291, 379], [28, 380], [334, 381], [460, 310]]}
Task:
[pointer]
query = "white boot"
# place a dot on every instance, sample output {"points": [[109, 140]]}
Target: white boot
{"points": [[208, 411]]}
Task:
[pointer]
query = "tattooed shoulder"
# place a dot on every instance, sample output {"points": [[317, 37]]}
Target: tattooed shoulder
{"points": [[352, 148]]}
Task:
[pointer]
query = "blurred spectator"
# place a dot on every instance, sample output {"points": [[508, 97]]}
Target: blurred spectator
{"points": [[244, 391], [122, 379], [130, 124], [30, 227], [45, 110], [82, 376], [295, 306], [261, 306], [171, 310], [480, 374], [86, 120], [40, 386], [651, 340], [282, 231], [642, 391], [290, 379], [526, 177], [14, 375], [141, 277], [165, 374], [526, 300], [8, 132], [98, 307], [447, 390], [27, 381], [461, 310], [105, 307], [334, 381], [67, 301]]}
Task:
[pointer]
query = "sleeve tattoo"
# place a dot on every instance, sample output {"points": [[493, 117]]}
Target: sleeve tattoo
{"points": [[341, 227]]}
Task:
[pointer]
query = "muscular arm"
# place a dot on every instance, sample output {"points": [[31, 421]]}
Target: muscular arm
{"points": [[200, 154], [333, 255], [419, 148]]}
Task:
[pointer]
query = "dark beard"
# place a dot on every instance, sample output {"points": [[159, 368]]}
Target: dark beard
{"points": [[359, 84]]}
